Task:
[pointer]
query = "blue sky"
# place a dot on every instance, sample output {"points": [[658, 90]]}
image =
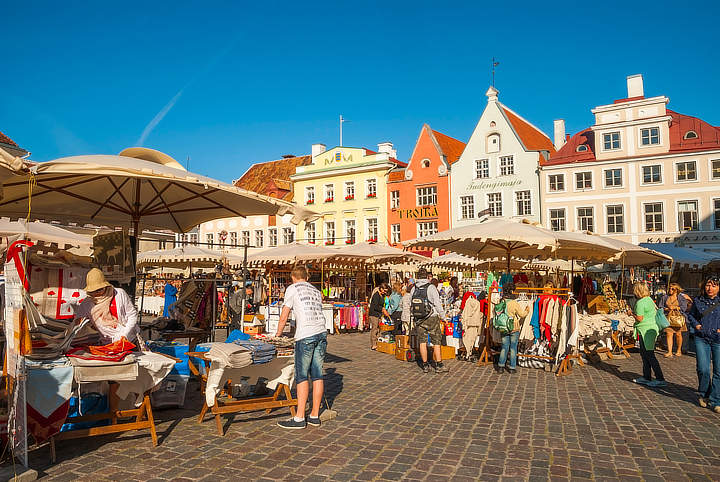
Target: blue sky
{"points": [[257, 80]]}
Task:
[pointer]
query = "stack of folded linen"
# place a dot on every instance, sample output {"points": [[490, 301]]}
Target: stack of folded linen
{"points": [[261, 352], [230, 355]]}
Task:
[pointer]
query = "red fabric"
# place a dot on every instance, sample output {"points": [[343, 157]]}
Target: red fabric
{"points": [[114, 352], [113, 307], [468, 294], [43, 428], [13, 253], [484, 307]]}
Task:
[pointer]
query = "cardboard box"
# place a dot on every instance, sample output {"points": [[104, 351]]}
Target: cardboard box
{"points": [[254, 329], [401, 353], [447, 352], [598, 304], [388, 348], [402, 342]]}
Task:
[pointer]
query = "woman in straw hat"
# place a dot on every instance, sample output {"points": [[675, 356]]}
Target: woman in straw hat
{"points": [[110, 310]]}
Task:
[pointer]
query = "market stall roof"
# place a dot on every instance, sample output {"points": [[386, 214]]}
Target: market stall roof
{"points": [[682, 256], [290, 254], [519, 239], [186, 256], [453, 261], [139, 187], [373, 253], [632, 254], [43, 232]]}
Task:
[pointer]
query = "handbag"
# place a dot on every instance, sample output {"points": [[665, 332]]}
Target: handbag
{"points": [[676, 319], [661, 320]]}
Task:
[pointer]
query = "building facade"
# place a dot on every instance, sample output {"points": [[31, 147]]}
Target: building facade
{"points": [[497, 173], [418, 198], [641, 173], [348, 187]]}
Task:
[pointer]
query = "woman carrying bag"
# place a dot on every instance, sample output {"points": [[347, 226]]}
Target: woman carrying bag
{"points": [[649, 322], [676, 305]]}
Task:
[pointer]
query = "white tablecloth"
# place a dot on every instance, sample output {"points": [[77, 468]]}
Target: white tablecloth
{"points": [[280, 370]]}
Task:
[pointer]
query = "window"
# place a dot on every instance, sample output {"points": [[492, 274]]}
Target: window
{"points": [[493, 142], [523, 203], [245, 238], [690, 135], [349, 231], [272, 237], [495, 204], [288, 235], [330, 232], [557, 182], [686, 171], [194, 239], [372, 230], [687, 215], [613, 178], [557, 219], [371, 188], [209, 239], [427, 196], [652, 174], [394, 233], [310, 233], [425, 163], [426, 228], [611, 141], [716, 212], [394, 199], [482, 169], [507, 166], [221, 238], [585, 219], [467, 207], [715, 169], [581, 148], [233, 239], [654, 217], [349, 191], [583, 180], [310, 195], [650, 136], [615, 219], [329, 193], [259, 238]]}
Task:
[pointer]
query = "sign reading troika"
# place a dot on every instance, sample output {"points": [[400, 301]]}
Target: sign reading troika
{"points": [[424, 212], [483, 185]]}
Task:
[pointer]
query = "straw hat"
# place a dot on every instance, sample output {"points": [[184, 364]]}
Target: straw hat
{"points": [[95, 280]]}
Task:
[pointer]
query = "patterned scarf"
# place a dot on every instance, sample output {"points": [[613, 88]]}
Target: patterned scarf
{"points": [[100, 313]]}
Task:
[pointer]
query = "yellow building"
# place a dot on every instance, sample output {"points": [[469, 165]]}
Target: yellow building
{"points": [[347, 186]]}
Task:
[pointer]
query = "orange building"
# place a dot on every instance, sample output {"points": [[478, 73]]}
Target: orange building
{"points": [[418, 195]]}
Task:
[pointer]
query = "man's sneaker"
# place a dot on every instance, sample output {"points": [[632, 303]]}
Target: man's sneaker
{"points": [[292, 424], [441, 368], [641, 381], [499, 369], [426, 368], [657, 384], [511, 371], [716, 409], [314, 421], [703, 402]]}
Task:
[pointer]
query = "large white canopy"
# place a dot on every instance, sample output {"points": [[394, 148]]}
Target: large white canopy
{"points": [[685, 257], [373, 253], [186, 256], [44, 233], [290, 254]]}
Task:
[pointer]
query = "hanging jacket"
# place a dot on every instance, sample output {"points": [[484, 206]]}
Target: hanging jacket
{"points": [[472, 316]]}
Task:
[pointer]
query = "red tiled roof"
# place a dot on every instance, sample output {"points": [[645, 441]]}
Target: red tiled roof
{"points": [[6, 140], [451, 147], [708, 139], [532, 138], [400, 163], [264, 175]]}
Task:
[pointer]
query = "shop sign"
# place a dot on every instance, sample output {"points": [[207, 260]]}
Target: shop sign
{"points": [[423, 212], [483, 185]]}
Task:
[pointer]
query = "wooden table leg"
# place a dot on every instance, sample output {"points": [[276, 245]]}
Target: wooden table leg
{"points": [[275, 397], [288, 395], [151, 419], [113, 402], [218, 421], [203, 412]]}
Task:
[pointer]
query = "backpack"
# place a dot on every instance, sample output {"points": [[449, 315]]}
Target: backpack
{"points": [[501, 321], [420, 307]]}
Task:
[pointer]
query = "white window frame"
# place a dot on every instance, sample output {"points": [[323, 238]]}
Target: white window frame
{"points": [[511, 165], [565, 219], [259, 238], [245, 238], [485, 169], [371, 188], [607, 218], [233, 235], [395, 199], [272, 237], [578, 226], [346, 227], [677, 172], [564, 189], [641, 174], [716, 213], [612, 149], [349, 188], [310, 232], [329, 193], [210, 240], [329, 232], [584, 189], [309, 194], [677, 214], [662, 216], [487, 198], [368, 230], [395, 233], [640, 137], [462, 210], [622, 177], [710, 170], [432, 195], [194, 239], [426, 232], [285, 237], [515, 202]]}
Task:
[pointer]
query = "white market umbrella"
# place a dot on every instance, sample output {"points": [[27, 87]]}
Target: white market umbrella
{"points": [[373, 253], [632, 254], [290, 254], [44, 233], [185, 256], [682, 256], [453, 261]]}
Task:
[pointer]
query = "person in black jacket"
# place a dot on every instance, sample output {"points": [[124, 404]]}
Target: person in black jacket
{"points": [[704, 323], [376, 309]]}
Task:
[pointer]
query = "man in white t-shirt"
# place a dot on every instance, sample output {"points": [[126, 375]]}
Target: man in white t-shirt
{"points": [[305, 302]]}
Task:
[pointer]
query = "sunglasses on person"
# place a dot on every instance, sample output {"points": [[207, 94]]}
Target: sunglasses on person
{"points": [[713, 279]]}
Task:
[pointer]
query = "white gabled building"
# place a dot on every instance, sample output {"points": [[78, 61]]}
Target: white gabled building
{"points": [[498, 170]]}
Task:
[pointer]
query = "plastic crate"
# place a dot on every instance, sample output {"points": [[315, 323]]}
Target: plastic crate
{"points": [[170, 392]]}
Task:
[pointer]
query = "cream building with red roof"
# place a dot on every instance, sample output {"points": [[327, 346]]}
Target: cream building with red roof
{"points": [[497, 173], [640, 173]]}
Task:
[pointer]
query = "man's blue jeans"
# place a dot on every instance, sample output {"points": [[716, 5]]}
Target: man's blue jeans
{"points": [[708, 353], [509, 347]]}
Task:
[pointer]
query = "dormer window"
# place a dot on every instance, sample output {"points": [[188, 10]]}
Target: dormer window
{"points": [[581, 148], [690, 135], [425, 163], [493, 143]]}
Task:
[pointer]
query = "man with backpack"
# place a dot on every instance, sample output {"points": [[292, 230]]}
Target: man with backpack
{"points": [[427, 311]]}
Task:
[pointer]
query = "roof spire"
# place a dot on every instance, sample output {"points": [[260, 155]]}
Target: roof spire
{"points": [[492, 94]]}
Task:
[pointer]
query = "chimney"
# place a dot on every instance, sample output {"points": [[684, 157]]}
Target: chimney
{"points": [[318, 149], [387, 147], [635, 86], [559, 133]]}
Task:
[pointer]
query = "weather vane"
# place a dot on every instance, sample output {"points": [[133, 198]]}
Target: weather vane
{"points": [[494, 64]]}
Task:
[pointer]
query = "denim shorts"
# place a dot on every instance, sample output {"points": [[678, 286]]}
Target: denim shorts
{"points": [[309, 357]]}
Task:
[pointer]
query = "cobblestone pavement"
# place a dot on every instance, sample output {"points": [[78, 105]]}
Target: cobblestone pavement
{"points": [[396, 423]]}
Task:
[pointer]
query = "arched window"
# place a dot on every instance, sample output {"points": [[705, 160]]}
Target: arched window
{"points": [[425, 163], [493, 143], [690, 135], [581, 148]]}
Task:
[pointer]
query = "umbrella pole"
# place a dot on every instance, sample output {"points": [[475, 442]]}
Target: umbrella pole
{"points": [[142, 296]]}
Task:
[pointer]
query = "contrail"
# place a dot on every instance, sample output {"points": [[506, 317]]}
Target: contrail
{"points": [[158, 117]]}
